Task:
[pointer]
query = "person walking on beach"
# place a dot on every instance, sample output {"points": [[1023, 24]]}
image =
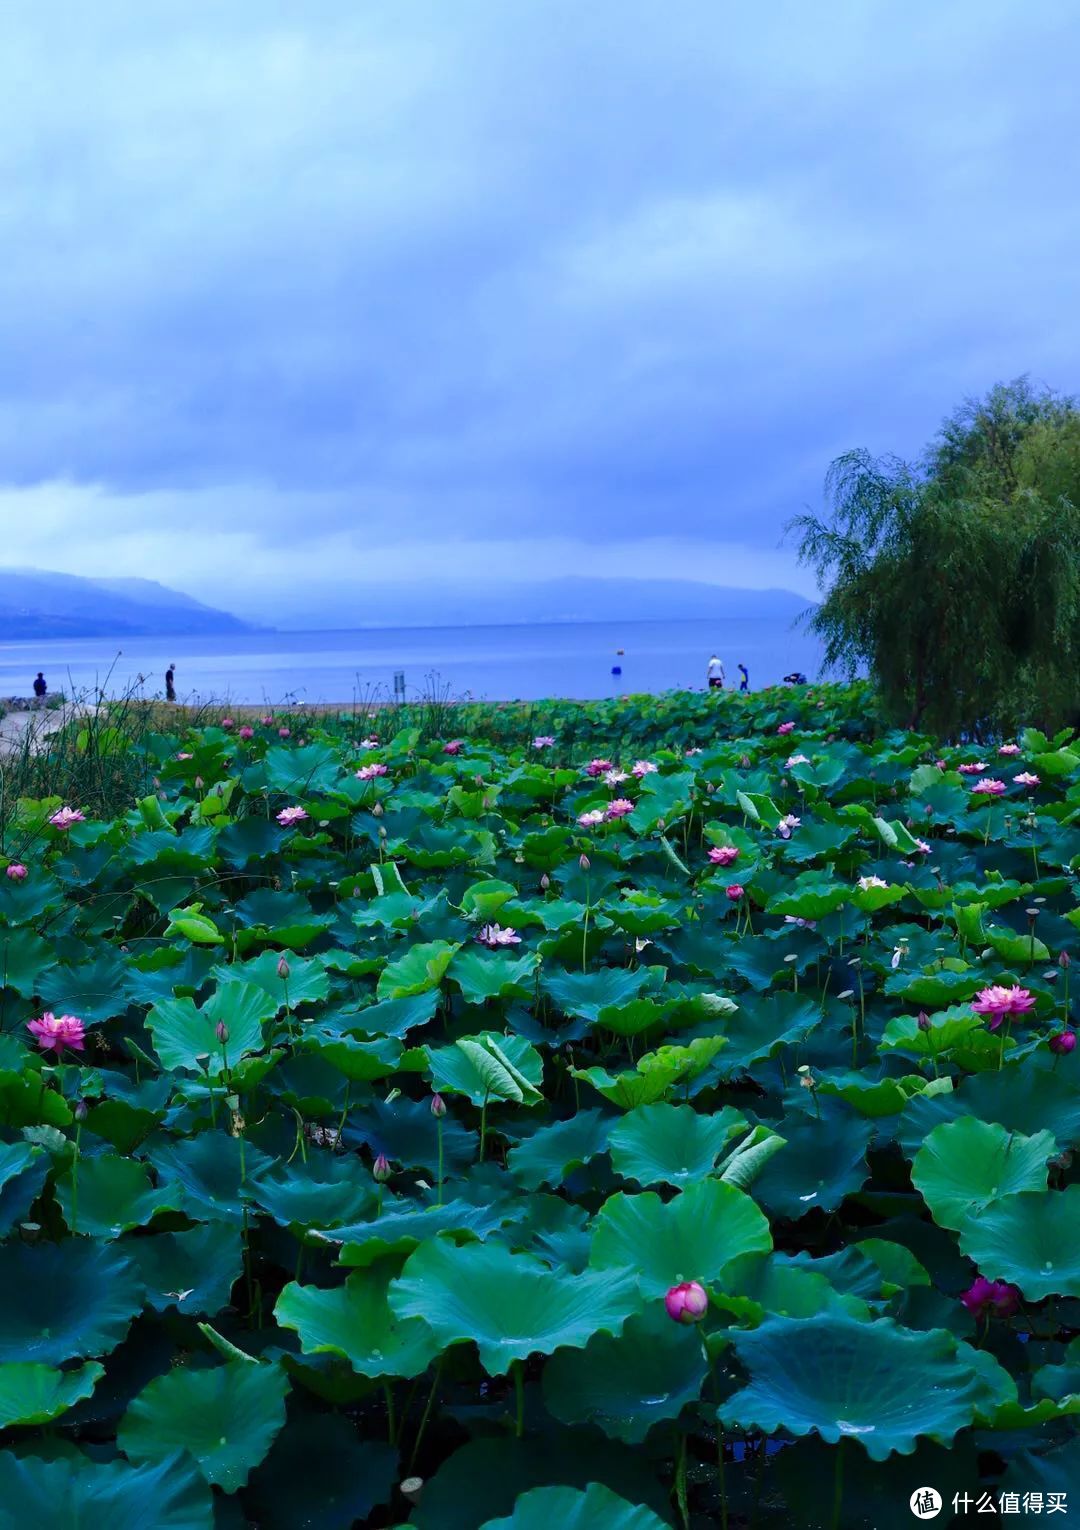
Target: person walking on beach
{"points": [[744, 683], [714, 674], [170, 683], [41, 689]]}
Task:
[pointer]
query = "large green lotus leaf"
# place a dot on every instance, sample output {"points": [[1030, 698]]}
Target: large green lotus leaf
{"points": [[1026, 1099], [323, 1192], [757, 1286], [948, 1029], [627, 1384], [485, 899], [23, 1171], [34, 1394], [937, 989], [307, 983], [192, 1271], [510, 1305], [691, 1237], [95, 991], [318, 1475], [671, 1144], [75, 1493], [399, 1232], [872, 1097], [391, 1017], [420, 970], [662, 797], [225, 1418], [24, 956], [554, 1152], [964, 1165], [1031, 1239], [307, 770], [880, 1384], [64, 1301], [810, 896], [186, 1037], [354, 1320], [483, 976], [582, 995], [1016, 949], [216, 1173], [111, 1195], [591, 1508], [634, 1018], [359, 1061], [766, 1023], [489, 1067], [823, 1161], [631, 1087], [407, 1132], [485, 1477]]}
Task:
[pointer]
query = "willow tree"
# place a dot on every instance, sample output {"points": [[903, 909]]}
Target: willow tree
{"points": [[956, 581]]}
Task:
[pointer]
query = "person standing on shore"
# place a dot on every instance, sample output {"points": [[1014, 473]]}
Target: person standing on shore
{"points": [[714, 674], [744, 683], [41, 689], [170, 683]]}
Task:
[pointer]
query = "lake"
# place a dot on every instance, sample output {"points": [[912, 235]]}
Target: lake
{"points": [[573, 659]]}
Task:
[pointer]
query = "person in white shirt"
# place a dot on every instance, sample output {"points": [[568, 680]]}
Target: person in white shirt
{"points": [[715, 674]]}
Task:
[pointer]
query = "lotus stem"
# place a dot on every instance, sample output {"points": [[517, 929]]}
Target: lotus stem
{"points": [[391, 1426], [680, 1478], [483, 1126], [438, 1128], [519, 1399], [838, 1486], [426, 1413]]}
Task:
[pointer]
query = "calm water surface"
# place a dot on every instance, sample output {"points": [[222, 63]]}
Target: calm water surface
{"points": [[494, 663]]}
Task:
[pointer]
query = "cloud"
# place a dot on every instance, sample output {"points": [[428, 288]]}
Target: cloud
{"points": [[308, 293]]}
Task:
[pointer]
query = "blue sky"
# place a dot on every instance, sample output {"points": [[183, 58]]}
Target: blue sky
{"points": [[298, 299]]}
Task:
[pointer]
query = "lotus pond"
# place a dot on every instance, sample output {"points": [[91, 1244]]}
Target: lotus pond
{"points": [[662, 1117]]}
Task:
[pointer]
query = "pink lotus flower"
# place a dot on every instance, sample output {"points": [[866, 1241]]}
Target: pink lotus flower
{"points": [[266, 721], [17, 871], [941, 765], [736, 891], [866, 883], [799, 922], [246, 732], [284, 732], [597, 767], [995, 1297], [969, 769], [796, 759], [1008, 749], [1063, 1042], [687, 1302], [619, 808], [369, 772], [786, 727], [998, 1003], [642, 768], [183, 755], [689, 753], [65, 818], [724, 855], [452, 746], [54, 1032], [922, 847], [227, 722], [786, 824], [988, 787], [290, 815], [590, 819], [544, 741], [615, 777], [368, 743], [1026, 778], [493, 935]]}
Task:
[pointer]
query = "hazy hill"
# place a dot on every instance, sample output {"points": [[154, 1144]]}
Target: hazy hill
{"points": [[574, 599], [34, 603]]}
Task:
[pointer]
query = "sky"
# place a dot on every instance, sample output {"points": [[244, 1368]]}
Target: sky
{"points": [[301, 300]]}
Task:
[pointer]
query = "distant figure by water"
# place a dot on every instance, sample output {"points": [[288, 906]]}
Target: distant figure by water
{"points": [[170, 683], [795, 678], [41, 689], [714, 674], [744, 683]]}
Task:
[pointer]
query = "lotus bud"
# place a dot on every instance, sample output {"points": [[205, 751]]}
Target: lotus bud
{"points": [[584, 862], [1063, 1043], [545, 882], [282, 969], [687, 1302], [377, 810], [198, 783], [221, 1031], [923, 1021], [381, 1171], [438, 1106], [80, 1112], [382, 831], [1064, 961]]}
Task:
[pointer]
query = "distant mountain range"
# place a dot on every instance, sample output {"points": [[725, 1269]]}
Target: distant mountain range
{"points": [[574, 599], [36, 604]]}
